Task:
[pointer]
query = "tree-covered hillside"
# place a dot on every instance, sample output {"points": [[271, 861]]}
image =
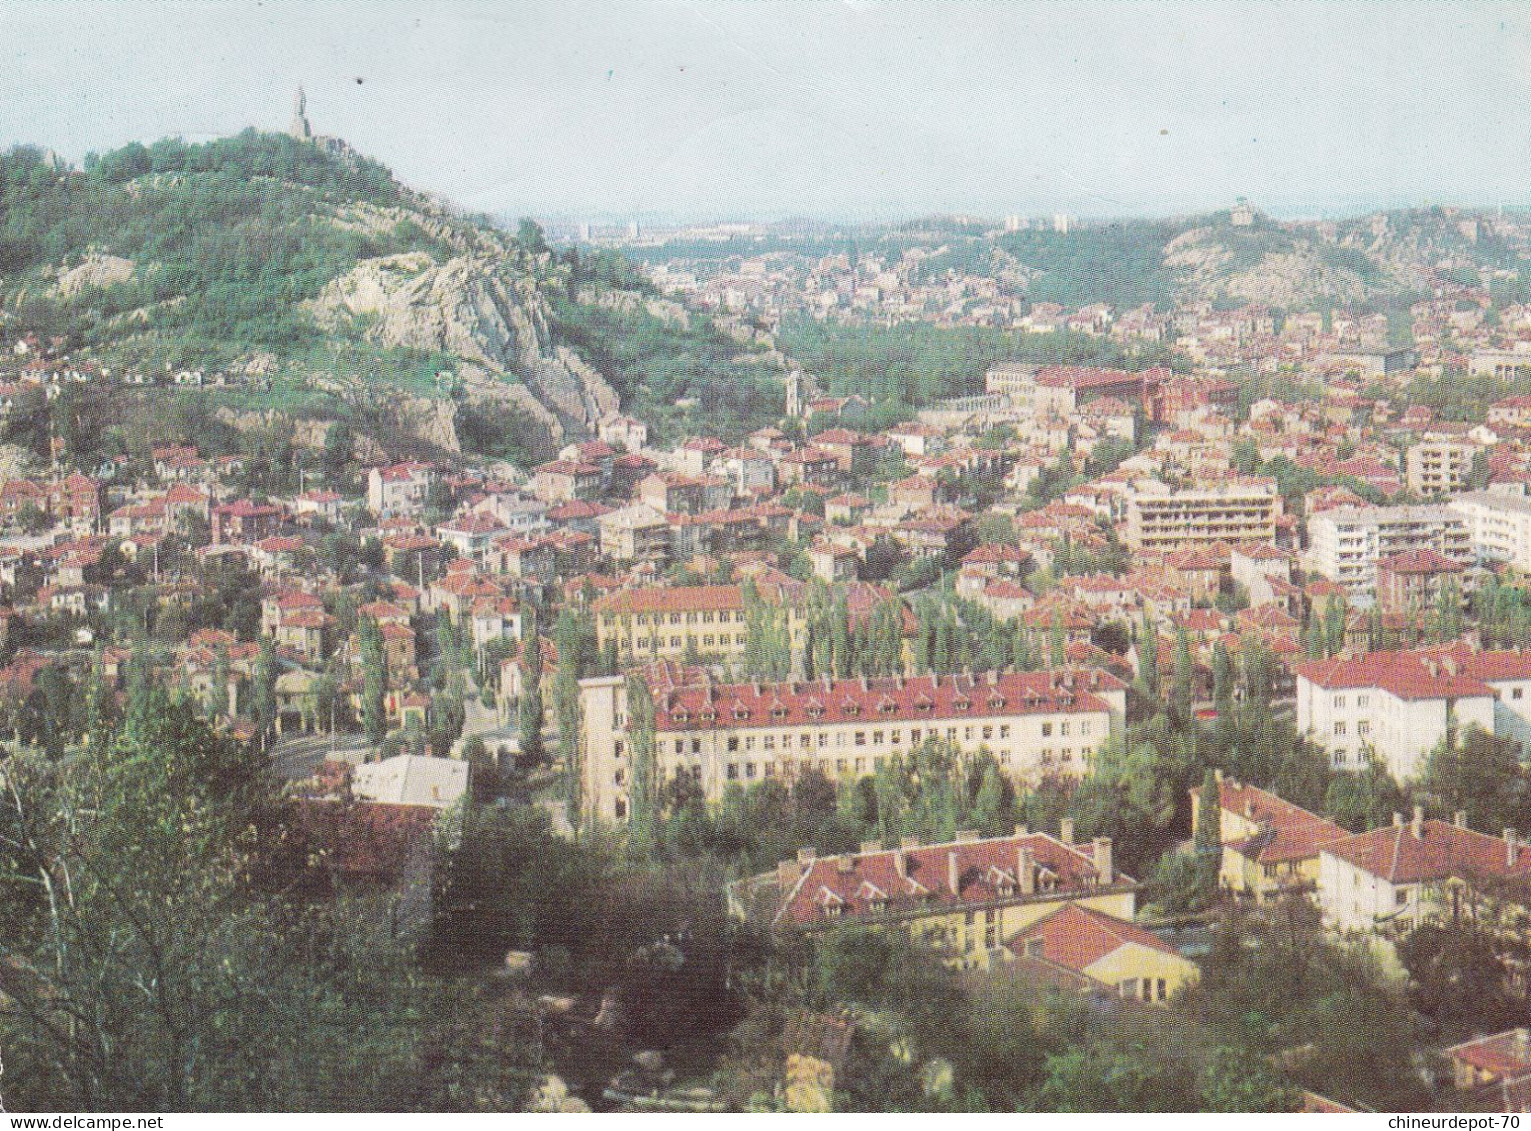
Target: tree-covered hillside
{"points": [[311, 267], [226, 238]]}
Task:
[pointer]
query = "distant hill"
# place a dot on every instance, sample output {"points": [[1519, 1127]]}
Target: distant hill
{"points": [[1376, 260], [326, 288]]}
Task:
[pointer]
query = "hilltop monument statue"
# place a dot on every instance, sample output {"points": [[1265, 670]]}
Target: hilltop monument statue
{"points": [[300, 128]]}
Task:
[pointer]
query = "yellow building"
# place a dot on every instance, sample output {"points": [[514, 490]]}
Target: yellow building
{"points": [[965, 898], [664, 624], [1269, 845], [1176, 520], [1094, 950]]}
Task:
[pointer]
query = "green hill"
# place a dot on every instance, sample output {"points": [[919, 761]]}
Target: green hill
{"points": [[309, 279]]}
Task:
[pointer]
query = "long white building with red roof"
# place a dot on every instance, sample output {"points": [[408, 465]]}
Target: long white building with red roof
{"points": [[1399, 705], [1038, 724]]}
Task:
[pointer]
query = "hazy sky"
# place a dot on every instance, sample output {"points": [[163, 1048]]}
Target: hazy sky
{"points": [[834, 109]]}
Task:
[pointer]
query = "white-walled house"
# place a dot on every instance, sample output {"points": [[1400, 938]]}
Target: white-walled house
{"points": [[1399, 705], [1411, 873]]}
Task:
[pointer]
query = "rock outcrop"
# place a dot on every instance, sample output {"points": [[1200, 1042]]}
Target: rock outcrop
{"points": [[95, 272], [474, 308]]}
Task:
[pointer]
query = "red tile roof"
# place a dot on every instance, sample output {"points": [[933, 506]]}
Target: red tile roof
{"points": [[1503, 1054], [1290, 831], [885, 699], [1419, 562], [870, 882], [1454, 671], [689, 598], [1076, 937], [1442, 850]]}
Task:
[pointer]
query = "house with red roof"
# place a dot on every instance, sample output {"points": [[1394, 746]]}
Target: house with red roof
{"points": [[244, 521], [1413, 581], [1100, 952], [1393, 879], [1038, 725], [398, 490], [1270, 846], [1494, 1071], [1399, 705], [964, 898]]}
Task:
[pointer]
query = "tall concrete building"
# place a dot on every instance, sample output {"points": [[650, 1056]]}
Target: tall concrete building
{"points": [[1178, 520], [1346, 543], [1498, 526]]}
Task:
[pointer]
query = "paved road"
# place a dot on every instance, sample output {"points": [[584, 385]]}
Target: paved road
{"points": [[300, 757]]}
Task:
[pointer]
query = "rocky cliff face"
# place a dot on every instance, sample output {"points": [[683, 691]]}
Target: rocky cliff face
{"points": [[1293, 275], [474, 308]]}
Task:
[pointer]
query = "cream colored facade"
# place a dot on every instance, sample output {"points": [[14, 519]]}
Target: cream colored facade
{"points": [[1029, 745], [1498, 525], [708, 627], [974, 895], [1346, 543], [973, 938], [1182, 519], [1400, 731], [1142, 973], [1439, 467]]}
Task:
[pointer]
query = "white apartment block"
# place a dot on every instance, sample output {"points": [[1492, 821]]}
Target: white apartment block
{"points": [[1439, 467], [1345, 543], [1038, 725], [1177, 520], [1018, 382], [1398, 706], [1498, 526]]}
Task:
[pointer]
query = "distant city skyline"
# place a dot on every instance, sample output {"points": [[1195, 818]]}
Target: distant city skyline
{"points": [[849, 111]]}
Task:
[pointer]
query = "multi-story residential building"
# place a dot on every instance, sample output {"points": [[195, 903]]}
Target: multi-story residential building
{"points": [[564, 479], [1410, 873], [1345, 543], [397, 490], [812, 467], [1498, 526], [1017, 381], [1270, 846], [1503, 364], [244, 521], [1057, 390], [1439, 467], [637, 533], [966, 898], [1400, 705], [1177, 520], [1038, 725], [1413, 582], [660, 624], [471, 535], [673, 493]]}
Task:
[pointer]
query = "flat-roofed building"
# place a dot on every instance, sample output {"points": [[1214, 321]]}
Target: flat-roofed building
{"points": [[1177, 520], [1498, 526], [1439, 467], [1346, 543]]}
